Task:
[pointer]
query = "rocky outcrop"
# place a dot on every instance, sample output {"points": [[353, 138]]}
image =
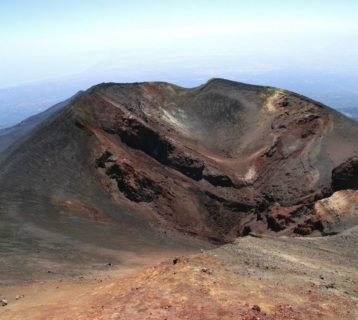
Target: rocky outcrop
{"points": [[135, 187], [345, 176]]}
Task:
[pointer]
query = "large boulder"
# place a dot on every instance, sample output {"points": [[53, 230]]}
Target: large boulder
{"points": [[338, 212]]}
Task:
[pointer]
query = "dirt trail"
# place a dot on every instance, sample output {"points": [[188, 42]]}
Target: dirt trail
{"points": [[254, 278]]}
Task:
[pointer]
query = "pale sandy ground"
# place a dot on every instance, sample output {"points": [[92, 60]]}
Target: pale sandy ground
{"points": [[284, 278]]}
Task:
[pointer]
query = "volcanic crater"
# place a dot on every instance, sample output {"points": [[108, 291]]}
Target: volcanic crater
{"points": [[154, 169]]}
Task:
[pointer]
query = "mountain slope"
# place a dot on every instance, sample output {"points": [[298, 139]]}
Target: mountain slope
{"points": [[217, 161], [10, 135]]}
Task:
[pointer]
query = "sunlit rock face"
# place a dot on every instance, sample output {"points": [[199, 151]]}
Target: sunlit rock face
{"points": [[339, 211]]}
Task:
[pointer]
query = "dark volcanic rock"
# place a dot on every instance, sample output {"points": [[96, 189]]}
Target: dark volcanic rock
{"points": [[345, 176], [135, 187]]}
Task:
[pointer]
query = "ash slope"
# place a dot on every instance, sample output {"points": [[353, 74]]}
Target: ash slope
{"points": [[10, 135], [217, 161]]}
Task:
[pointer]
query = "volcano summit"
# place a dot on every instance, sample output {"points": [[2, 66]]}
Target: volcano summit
{"points": [[153, 167]]}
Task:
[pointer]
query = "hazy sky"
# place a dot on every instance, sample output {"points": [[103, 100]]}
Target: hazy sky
{"points": [[49, 39]]}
